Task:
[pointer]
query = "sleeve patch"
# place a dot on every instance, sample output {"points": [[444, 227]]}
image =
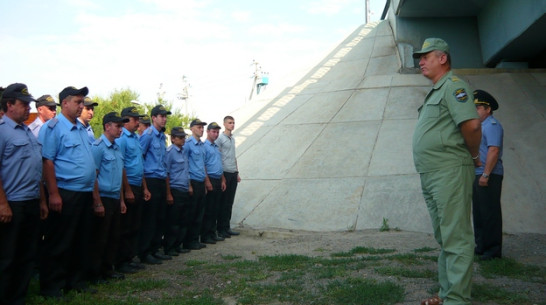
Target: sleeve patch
{"points": [[461, 95]]}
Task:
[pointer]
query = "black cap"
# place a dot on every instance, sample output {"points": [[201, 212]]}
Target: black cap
{"points": [[87, 101], [113, 117], [483, 98], [213, 125], [18, 91], [145, 120], [45, 100], [159, 109], [132, 112], [178, 132], [72, 91], [197, 122]]}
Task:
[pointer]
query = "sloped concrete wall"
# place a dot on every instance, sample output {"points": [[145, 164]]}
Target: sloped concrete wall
{"points": [[333, 151]]}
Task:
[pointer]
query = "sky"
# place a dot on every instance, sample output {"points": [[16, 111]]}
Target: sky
{"points": [[149, 45]]}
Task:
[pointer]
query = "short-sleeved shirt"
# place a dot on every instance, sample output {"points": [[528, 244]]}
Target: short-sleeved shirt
{"points": [[20, 162], [226, 145], [213, 160], [152, 143], [90, 133], [132, 156], [35, 126], [437, 140], [178, 168], [492, 135], [67, 145], [109, 163], [195, 152]]}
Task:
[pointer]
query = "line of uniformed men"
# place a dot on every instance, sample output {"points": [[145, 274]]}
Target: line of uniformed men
{"points": [[106, 201]]}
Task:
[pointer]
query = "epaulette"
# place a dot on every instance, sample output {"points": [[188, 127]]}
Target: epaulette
{"points": [[51, 123], [455, 78], [149, 130], [169, 148], [1, 121], [97, 141], [493, 122]]}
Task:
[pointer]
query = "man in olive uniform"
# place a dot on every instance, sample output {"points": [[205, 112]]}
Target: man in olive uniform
{"points": [[446, 145]]}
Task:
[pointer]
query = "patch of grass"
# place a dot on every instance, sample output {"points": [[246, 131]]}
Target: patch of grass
{"points": [[329, 272], [488, 293], [362, 250], [363, 292], [385, 225], [230, 257], [136, 285], [424, 249], [511, 268], [405, 272], [266, 293], [191, 263], [366, 250], [411, 259], [286, 262]]}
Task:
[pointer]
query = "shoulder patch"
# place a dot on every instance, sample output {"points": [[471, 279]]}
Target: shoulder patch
{"points": [[51, 123], [461, 95]]}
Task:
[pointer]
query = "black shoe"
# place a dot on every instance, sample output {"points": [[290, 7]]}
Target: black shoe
{"points": [[224, 234], [172, 252], [182, 250], [201, 245], [126, 268], [150, 260], [218, 238], [114, 275], [162, 256], [194, 246], [231, 232], [137, 266], [208, 241]]}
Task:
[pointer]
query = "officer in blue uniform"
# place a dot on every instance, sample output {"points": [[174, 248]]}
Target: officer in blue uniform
{"points": [[70, 178], [21, 195], [215, 186], [487, 188], [195, 152], [87, 115], [136, 192], [152, 143], [109, 165], [179, 191]]}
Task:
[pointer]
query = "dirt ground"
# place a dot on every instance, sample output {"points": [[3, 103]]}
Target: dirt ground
{"points": [[525, 248]]}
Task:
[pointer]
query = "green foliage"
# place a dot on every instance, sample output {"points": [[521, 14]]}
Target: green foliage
{"points": [[123, 98], [385, 225]]}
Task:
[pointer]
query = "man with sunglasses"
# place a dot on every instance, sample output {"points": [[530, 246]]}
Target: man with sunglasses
{"points": [[47, 109]]}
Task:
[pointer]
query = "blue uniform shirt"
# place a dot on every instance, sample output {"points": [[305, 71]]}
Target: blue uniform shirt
{"points": [[132, 156], [109, 163], [20, 162], [177, 167], [90, 133], [195, 152], [67, 145], [152, 143], [213, 160], [492, 135]]}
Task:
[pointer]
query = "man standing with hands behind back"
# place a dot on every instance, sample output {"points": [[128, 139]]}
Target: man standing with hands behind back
{"points": [[446, 145], [486, 204]]}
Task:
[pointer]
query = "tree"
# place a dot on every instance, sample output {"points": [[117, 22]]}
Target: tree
{"points": [[123, 98]]}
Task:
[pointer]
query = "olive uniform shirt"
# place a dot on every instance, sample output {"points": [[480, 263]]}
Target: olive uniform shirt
{"points": [[437, 140]]}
